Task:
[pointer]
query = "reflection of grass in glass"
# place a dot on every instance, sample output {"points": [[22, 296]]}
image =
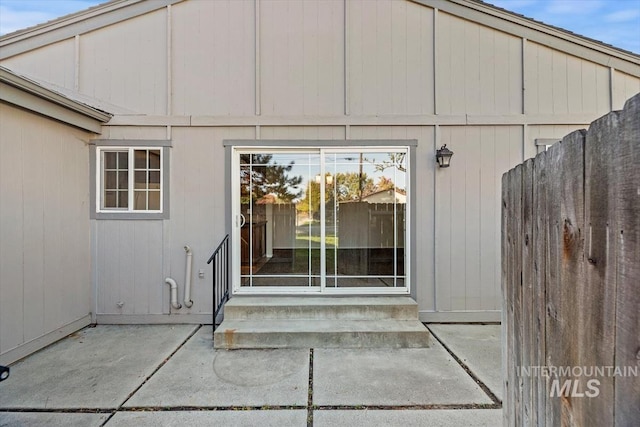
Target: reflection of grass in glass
{"points": [[301, 260], [331, 241]]}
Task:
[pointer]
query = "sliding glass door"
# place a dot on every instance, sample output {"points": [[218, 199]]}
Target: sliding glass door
{"points": [[320, 220]]}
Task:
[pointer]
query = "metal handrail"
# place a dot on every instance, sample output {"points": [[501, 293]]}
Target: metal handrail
{"points": [[220, 259]]}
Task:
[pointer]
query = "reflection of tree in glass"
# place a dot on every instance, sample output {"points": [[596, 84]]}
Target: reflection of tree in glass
{"points": [[396, 160], [344, 187], [353, 186], [267, 177]]}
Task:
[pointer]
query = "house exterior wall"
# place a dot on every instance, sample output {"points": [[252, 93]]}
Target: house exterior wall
{"points": [[45, 261], [200, 72]]}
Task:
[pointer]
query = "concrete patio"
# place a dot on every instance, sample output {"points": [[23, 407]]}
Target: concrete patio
{"points": [[156, 375]]}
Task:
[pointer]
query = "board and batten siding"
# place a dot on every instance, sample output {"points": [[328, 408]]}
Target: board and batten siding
{"points": [[45, 279], [200, 72], [479, 69]]}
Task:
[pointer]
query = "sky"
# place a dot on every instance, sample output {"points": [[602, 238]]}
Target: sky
{"points": [[615, 22]]}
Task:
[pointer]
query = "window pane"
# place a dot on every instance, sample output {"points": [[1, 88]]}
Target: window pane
{"points": [[110, 199], [110, 178], [140, 159], [123, 160], [154, 159], [141, 180], [154, 200], [140, 200], [154, 180], [123, 199], [110, 160], [123, 180]]}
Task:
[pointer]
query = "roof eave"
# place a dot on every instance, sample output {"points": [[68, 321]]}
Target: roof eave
{"points": [[77, 23], [28, 86]]}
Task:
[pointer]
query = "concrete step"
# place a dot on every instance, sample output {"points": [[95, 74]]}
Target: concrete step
{"points": [[308, 333], [319, 308]]}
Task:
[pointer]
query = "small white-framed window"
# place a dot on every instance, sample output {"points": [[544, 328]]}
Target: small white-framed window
{"points": [[129, 179], [543, 144]]}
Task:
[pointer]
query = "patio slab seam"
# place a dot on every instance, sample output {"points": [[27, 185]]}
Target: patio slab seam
{"points": [[152, 374], [464, 366], [310, 408]]}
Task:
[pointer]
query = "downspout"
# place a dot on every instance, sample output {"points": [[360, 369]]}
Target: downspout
{"points": [[187, 278], [174, 293]]}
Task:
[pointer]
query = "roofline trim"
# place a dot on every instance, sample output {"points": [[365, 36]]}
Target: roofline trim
{"points": [[82, 22], [26, 85], [511, 23]]}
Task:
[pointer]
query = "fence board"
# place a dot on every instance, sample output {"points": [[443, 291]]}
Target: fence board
{"points": [[526, 304], [627, 348], [597, 296], [507, 319], [540, 274], [513, 290], [567, 216]]}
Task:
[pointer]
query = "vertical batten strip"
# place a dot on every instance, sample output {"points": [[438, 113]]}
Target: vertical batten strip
{"points": [[169, 107], [525, 141], [612, 72], [76, 71], [435, 71], [436, 144], [347, 86], [257, 57], [524, 82]]}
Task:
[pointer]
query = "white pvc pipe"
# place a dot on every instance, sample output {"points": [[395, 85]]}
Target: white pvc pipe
{"points": [[174, 293], [187, 278]]}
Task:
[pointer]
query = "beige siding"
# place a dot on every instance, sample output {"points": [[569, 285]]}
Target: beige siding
{"points": [[558, 83], [302, 132], [213, 63], [479, 70], [467, 225], [54, 63], [45, 279], [126, 64], [301, 57], [624, 87], [134, 132], [390, 58], [129, 267]]}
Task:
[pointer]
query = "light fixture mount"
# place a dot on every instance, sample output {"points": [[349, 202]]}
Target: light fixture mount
{"points": [[443, 156]]}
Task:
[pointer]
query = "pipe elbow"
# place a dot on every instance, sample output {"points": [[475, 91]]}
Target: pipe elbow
{"points": [[187, 278], [174, 293]]}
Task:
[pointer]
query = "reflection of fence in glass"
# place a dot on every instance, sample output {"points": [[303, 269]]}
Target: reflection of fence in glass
{"points": [[371, 238]]}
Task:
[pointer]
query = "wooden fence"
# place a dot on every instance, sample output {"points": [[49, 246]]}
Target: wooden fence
{"points": [[571, 279]]}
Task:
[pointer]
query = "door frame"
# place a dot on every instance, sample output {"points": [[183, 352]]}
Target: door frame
{"points": [[233, 147]]}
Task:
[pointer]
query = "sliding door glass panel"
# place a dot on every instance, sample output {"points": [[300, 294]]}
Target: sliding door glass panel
{"points": [[279, 212], [365, 219]]}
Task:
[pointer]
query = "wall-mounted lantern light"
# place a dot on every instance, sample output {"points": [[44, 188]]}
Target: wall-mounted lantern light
{"points": [[443, 156]]}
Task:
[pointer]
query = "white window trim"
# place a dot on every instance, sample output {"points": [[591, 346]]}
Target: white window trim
{"points": [[131, 182]]}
